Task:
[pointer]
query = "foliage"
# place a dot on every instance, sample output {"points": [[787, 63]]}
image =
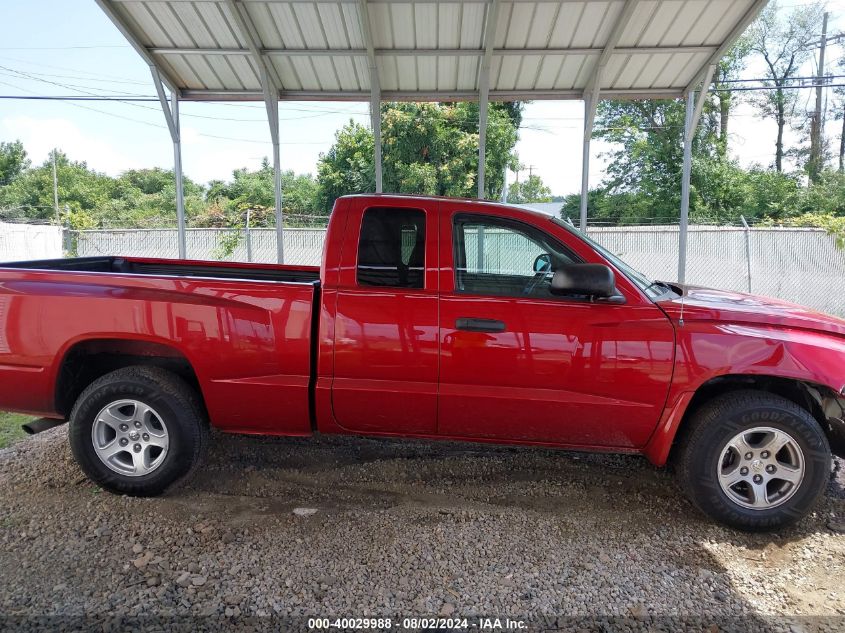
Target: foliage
{"points": [[348, 166], [255, 190], [647, 154], [784, 43], [144, 198], [834, 225], [729, 69], [427, 148], [530, 190], [722, 192], [227, 243], [13, 161]]}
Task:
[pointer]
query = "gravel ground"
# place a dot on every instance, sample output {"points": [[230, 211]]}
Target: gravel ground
{"points": [[272, 531]]}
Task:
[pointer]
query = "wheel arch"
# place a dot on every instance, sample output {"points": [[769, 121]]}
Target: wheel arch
{"points": [[825, 405], [86, 360]]}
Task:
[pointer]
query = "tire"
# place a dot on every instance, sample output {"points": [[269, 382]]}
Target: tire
{"points": [[790, 482], [164, 419]]}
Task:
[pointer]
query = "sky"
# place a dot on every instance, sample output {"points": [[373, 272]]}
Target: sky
{"points": [[71, 42]]}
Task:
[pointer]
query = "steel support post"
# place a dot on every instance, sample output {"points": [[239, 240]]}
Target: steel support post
{"points": [[491, 21], [590, 103], [693, 114], [177, 170], [747, 251], [171, 116], [482, 140], [375, 120], [273, 118], [685, 184]]}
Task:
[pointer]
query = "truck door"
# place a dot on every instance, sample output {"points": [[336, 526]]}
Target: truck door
{"points": [[386, 329], [518, 363]]}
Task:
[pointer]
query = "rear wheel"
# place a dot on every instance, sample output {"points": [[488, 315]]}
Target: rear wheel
{"points": [[754, 460], [138, 431]]}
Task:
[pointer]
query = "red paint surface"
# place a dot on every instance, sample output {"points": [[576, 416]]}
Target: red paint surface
{"points": [[389, 361]]}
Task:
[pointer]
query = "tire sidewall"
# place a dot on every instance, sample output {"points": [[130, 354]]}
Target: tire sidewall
{"points": [[712, 442], [176, 463]]}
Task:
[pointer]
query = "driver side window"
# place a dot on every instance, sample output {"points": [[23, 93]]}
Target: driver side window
{"points": [[496, 256]]}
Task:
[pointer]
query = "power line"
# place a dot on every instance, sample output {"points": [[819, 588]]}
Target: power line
{"points": [[157, 125]]}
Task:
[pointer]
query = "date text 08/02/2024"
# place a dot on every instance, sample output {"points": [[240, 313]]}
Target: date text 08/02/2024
{"points": [[417, 623]]}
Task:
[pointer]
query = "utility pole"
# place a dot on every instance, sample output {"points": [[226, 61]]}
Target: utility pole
{"points": [[815, 166], [56, 191], [842, 144]]}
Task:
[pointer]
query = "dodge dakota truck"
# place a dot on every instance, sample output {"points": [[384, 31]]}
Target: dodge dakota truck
{"points": [[430, 318]]}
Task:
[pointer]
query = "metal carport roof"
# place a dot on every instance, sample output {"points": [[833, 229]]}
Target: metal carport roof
{"points": [[430, 50]]}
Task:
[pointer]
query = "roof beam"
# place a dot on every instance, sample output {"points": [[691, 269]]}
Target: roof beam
{"points": [[429, 52], [270, 90], [435, 95], [375, 90], [490, 26], [594, 84], [269, 87], [699, 103], [375, 1], [117, 20], [246, 28], [738, 29]]}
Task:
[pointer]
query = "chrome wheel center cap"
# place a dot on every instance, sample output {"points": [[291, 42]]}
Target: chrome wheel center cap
{"points": [[756, 465], [134, 435]]}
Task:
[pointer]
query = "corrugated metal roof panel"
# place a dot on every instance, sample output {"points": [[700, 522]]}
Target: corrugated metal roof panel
{"points": [[472, 19], [221, 32], [429, 48]]}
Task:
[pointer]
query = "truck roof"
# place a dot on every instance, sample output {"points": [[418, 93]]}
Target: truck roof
{"points": [[472, 201]]}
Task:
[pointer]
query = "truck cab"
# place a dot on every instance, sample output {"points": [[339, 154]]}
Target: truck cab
{"points": [[443, 312]]}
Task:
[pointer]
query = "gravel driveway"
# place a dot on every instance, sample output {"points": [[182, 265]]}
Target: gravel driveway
{"points": [[272, 531]]}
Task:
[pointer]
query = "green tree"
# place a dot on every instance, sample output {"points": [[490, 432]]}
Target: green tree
{"points": [[256, 190], [427, 149], [348, 165], [13, 161], [784, 42], [79, 188], [647, 154], [530, 190], [729, 69]]}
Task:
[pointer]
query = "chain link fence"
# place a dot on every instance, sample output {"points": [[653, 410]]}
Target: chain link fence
{"points": [[799, 265], [302, 246], [29, 241], [795, 264]]}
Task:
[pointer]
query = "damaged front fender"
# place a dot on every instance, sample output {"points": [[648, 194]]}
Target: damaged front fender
{"points": [[833, 409]]}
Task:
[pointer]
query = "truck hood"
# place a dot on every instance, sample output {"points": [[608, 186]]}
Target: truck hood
{"points": [[707, 304]]}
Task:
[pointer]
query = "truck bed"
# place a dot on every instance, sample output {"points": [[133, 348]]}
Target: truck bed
{"points": [[244, 331], [175, 268]]}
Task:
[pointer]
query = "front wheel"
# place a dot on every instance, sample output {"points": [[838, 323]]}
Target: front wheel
{"points": [[754, 460], [138, 431]]}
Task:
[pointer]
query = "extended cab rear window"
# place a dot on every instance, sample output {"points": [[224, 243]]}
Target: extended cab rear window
{"points": [[391, 249]]}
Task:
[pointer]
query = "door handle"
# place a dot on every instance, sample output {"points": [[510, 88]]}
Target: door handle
{"points": [[470, 324]]}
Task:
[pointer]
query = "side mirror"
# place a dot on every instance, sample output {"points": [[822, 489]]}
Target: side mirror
{"points": [[542, 263], [594, 280]]}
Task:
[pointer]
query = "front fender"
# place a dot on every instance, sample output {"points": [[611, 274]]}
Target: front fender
{"points": [[709, 350]]}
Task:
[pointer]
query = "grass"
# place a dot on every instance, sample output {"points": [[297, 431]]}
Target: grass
{"points": [[10, 427]]}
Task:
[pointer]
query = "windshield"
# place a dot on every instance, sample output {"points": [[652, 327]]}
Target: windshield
{"points": [[652, 288]]}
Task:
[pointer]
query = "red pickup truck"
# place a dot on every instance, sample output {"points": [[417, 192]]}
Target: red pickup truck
{"points": [[430, 318]]}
